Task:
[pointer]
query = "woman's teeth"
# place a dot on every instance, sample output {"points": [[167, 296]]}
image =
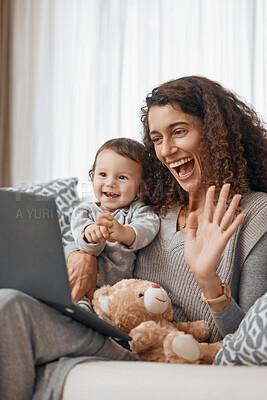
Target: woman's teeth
{"points": [[180, 162], [183, 172], [185, 175]]}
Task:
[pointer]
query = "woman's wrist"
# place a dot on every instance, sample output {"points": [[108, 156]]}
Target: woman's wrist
{"points": [[218, 303], [215, 293], [210, 285]]}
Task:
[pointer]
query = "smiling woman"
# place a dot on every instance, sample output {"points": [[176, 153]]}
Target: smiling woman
{"points": [[197, 119], [199, 139]]}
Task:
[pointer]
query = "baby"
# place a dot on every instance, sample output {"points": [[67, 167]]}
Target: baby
{"points": [[119, 224]]}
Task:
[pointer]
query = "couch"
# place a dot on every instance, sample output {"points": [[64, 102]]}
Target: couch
{"points": [[98, 379], [113, 380]]}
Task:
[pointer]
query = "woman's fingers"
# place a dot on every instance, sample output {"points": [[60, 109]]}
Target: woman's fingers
{"points": [[224, 218], [209, 204], [228, 216], [230, 230], [221, 216], [192, 225], [221, 205]]}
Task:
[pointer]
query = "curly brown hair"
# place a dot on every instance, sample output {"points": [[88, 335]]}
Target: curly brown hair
{"points": [[233, 145]]}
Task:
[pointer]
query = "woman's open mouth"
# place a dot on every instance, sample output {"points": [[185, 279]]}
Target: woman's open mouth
{"points": [[184, 167]]}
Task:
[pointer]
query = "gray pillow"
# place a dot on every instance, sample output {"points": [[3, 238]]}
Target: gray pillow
{"points": [[64, 191], [248, 345]]}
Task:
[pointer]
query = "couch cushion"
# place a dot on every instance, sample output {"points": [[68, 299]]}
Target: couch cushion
{"points": [[115, 380], [64, 191], [248, 345]]}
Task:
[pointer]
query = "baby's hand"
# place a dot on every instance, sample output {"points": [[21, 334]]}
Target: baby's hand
{"points": [[117, 232], [96, 234], [114, 228]]}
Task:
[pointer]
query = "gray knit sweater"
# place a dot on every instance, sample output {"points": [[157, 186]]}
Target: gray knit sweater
{"points": [[243, 266]]}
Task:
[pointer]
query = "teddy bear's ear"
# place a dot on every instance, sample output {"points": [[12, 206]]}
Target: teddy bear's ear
{"points": [[103, 301], [100, 300]]}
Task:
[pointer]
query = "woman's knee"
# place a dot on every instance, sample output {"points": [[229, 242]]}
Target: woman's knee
{"points": [[7, 295], [12, 299]]}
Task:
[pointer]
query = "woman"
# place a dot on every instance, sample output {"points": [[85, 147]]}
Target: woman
{"points": [[204, 136], [198, 135]]}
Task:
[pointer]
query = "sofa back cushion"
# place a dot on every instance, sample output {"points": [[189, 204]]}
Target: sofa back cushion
{"points": [[64, 191]]}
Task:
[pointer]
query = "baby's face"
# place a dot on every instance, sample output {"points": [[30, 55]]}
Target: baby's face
{"points": [[116, 180]]}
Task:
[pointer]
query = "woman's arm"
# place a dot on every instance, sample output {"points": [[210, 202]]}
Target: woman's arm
{"points": [[82, 272], [253, 284], [253, 280]]}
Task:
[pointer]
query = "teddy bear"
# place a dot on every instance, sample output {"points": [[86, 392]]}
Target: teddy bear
{"points": [[143, 310]]}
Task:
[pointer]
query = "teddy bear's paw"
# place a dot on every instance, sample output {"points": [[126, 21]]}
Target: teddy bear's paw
{"points": [[209, 351], [200, 330], [145, 336], [186, 347]]}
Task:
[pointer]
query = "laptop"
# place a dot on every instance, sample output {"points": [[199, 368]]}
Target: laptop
{"points": [[32, 257]]}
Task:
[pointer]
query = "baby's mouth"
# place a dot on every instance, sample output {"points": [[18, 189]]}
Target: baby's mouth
{"points": [[111, 195], [183, 167]]}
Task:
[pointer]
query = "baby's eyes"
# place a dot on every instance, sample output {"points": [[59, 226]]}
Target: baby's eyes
{"points": [[104, 175]]}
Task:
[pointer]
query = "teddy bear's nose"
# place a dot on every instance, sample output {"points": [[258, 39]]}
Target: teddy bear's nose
{"points": [[155, 286]]}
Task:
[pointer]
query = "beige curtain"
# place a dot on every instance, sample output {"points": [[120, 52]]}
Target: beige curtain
{"points": [[81, 69], [5, 92]]}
